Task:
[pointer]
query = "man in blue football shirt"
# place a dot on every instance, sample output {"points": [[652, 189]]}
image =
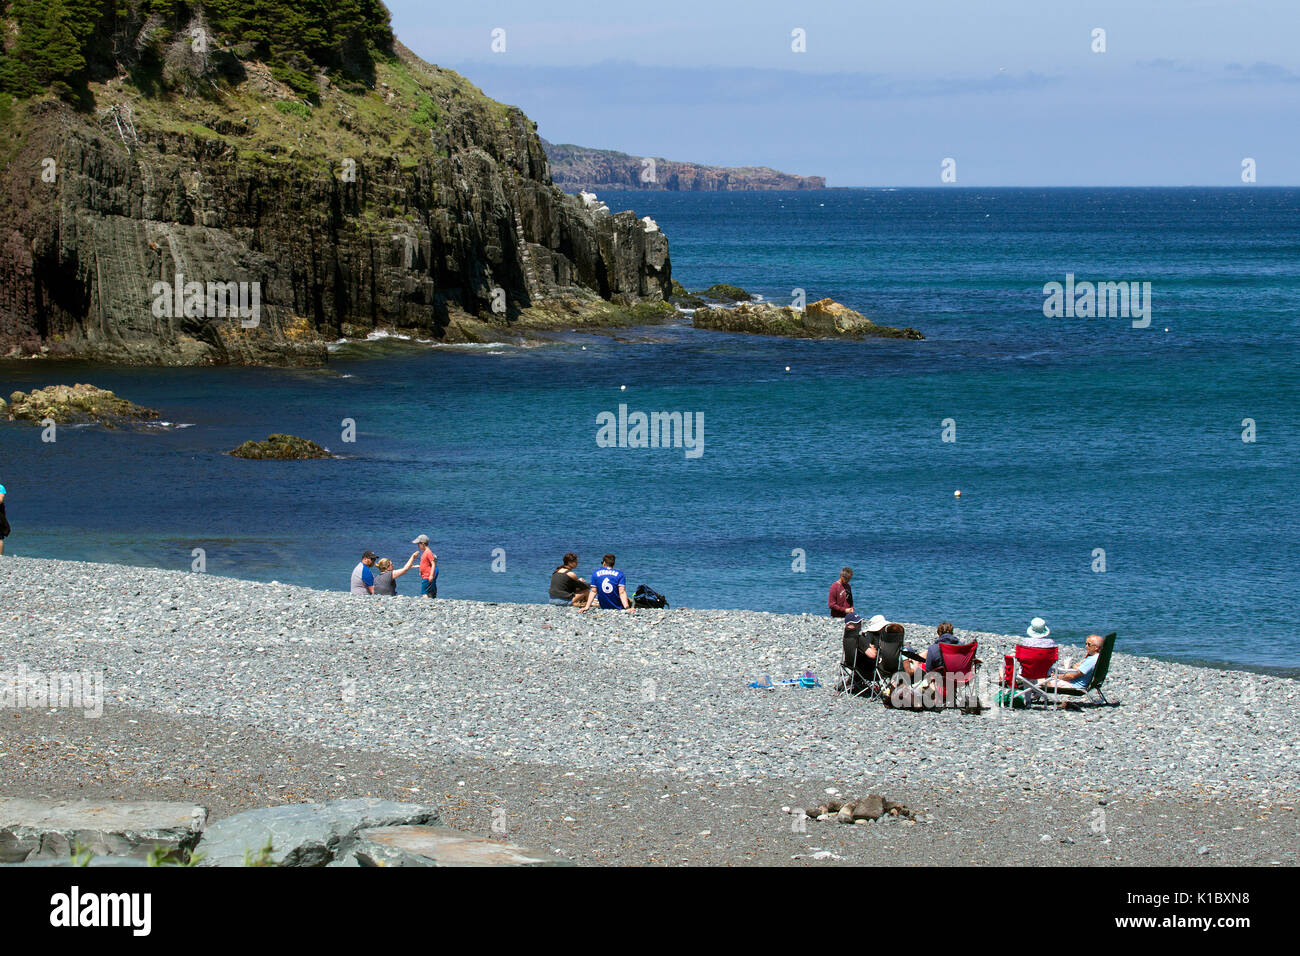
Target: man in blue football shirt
{"points": [[609, 587]]}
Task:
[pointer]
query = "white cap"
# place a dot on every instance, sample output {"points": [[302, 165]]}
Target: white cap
{"points": [[422, 539], [878, 622]]}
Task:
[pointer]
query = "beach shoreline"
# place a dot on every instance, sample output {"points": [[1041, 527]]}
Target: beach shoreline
{"points": [[620, 738]]}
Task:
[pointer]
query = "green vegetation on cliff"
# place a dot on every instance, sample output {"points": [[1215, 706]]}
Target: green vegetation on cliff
{"points": [[60, 46], [367, 190]]}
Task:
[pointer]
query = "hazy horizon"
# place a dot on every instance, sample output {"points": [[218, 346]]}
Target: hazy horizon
{"points": [[1182, 95]]}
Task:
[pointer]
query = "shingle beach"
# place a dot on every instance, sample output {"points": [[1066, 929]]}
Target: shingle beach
{"points": [[615, 738]]}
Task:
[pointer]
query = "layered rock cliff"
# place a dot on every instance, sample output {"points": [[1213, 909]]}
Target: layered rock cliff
{"points": [[134, 225], [579, 167]]}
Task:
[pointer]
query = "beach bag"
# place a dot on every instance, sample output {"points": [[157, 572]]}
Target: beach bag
{"points": [[648, 597]]}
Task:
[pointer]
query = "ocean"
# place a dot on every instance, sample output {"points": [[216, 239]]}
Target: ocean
{"points": [[1112, 477]]}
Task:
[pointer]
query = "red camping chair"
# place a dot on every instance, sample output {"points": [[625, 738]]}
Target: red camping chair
{"points": [[959, 666], [1026, 668]]}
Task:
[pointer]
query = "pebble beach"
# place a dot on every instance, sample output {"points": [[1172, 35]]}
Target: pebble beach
{"points": [[623, 738]]}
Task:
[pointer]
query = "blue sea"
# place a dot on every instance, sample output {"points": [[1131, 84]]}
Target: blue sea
{"points": [[1105, 483]]}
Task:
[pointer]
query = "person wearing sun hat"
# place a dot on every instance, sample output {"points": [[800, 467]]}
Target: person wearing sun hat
{"points": [[1038, 634]]}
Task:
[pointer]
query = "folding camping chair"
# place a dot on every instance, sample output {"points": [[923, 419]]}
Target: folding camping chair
{"points": [[959, 667], [1021, 671], [1093, 694], [852, 682], [889, 659]]}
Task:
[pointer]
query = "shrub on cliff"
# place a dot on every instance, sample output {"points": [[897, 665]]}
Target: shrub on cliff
{"points": [[58, 45]]}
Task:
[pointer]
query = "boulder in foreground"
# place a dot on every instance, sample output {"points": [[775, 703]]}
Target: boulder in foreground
{"points": [[305, 834], [77, 404], [32, 830], [281, 448], [440, 846], [825, 318]]}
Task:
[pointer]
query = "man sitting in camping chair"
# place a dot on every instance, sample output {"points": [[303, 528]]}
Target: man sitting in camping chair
{"points": [[1077, 678]]}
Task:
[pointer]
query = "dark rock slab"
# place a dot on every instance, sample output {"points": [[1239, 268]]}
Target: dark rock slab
{"points": [[305, 834], [440, 846], [43, 830]]}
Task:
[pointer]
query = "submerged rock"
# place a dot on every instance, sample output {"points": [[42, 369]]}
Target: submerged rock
{"points": [[823, 319], [76, 404], [282, 447], [722, 292]]}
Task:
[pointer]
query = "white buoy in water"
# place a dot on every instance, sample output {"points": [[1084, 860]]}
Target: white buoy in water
{"points": [[787, 368], [622, 388], [957, 493]]}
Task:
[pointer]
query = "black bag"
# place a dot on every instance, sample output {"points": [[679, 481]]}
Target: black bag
{"points": [[648, 597]]}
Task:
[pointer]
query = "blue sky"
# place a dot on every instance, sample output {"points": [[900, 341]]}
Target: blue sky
{"points": [[1012, 90]]}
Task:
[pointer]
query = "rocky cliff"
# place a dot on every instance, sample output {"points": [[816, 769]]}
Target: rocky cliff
{"points": [[579, 167], [212, 213]]}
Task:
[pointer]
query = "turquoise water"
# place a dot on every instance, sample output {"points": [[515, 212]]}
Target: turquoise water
{"points": [[1072, 434]]}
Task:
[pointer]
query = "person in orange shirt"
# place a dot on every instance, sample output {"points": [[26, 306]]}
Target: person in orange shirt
{"points": [[428, 567]]}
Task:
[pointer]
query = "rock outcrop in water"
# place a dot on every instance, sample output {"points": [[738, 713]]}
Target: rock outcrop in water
{"points": [[203, 209], [825, 318], [75, 404], [282, 448], [580, 167]]}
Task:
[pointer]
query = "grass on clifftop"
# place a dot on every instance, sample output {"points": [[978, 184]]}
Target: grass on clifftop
{"points": [[404, 115]]}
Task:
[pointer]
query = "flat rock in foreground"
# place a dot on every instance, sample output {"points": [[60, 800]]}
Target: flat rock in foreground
{"points": [[440, 846], [32, 830], [305, 834], [825, 318]]}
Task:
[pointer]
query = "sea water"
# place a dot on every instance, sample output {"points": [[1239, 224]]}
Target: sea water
{"points": [[1112, 477]]}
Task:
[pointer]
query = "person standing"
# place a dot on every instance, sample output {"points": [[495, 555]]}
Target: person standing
{"points": [[841, 596], [609, 587], [4, 522], [363, 579], [428, 567]]}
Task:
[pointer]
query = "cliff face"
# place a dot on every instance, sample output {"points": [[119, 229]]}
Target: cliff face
{"points": [[417, 204], [578, 167]]}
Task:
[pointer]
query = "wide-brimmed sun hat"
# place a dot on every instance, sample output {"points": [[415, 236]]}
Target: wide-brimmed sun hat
{"points": [[878, 622], [1038, 628]]}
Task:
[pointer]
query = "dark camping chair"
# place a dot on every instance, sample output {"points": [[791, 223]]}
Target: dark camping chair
{"points": [[1092, 694], [853, 681], [889, 659]]}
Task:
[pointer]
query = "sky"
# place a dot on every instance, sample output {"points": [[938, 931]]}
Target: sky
{"points": [[1014, 92]]}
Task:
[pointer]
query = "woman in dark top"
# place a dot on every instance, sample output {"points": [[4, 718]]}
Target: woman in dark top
{"points": [[386, 579], [567, 589]]}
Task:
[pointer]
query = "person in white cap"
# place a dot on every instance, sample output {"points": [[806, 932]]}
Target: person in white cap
{"points": [[428, 567], [1039, 634]]}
